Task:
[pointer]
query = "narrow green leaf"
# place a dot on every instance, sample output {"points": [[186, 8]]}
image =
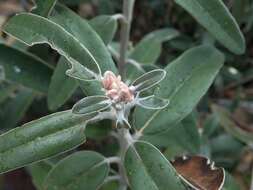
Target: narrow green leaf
{"points": [[187, 80], [24, 68], [80, 28], [147, 168], [81, 170], [148, 80], [231, 126], [210, 126], [41, 139], [153, 102], [105, 26], [91, 104], [149, 48], [215, 17], [61, 87], [14, 109], [27, 28], [43, 7], [39, 172]]}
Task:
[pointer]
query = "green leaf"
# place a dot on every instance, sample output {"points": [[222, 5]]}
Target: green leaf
{"points": [[80, 72], [27, 28], [187, 80], [80, 28], [61, 87], [134, 70], [2, 73], [215, 17], [91, 104], [184, 135], [231, 126], [6, 90], [105, 26], [43, 7], [147, 168], [39, 172], [41, 139], [149, 48], [24, 68], [148, 80], [226, 150], [81, 170], [14, 109], [210, 126], [153, 102], [230, 183]]}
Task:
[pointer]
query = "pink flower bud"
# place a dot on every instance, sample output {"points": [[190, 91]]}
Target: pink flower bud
{"points": [[116, 89]]}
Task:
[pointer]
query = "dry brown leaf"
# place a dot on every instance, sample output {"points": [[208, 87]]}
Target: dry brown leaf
{"points": [[199, 172], [8, 7]]}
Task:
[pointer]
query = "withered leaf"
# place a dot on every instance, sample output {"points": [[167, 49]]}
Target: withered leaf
{"points": [[199, 172]]}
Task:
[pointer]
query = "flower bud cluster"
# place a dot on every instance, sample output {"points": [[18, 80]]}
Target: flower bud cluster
{"points": [[116, 89]]}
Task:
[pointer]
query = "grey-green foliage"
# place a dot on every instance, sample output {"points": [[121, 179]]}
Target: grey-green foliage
{"points": [[41, 139], [39, 172], [61, 86], [83, 47], [187, 80], [2, 73], [147, 168], [215, 17], [149, 48], [14, 108], [24, 68], [105, 26], [81, 170], [43, 7]]}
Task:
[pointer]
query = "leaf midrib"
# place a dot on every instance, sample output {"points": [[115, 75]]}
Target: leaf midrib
{"points": [[155, 114]]}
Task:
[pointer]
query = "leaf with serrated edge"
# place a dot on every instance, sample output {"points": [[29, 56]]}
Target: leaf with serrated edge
{"points": [[199, 172]]}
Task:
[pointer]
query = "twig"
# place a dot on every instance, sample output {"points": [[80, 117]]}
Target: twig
{"points": [[128, 6], [125, 140], [114, 159]]}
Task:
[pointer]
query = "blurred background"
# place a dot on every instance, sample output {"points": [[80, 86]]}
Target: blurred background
{"points": [[232, 88]]}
